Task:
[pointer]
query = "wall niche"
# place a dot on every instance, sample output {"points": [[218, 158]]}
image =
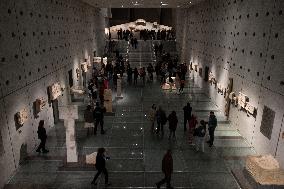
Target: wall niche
{"points": [[267, 122]]}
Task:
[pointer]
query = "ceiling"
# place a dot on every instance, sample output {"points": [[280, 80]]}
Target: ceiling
{"points": [[142, 3]]}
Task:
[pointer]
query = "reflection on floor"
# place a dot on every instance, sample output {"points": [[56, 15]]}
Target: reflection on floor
{"points": [[136, 153]]}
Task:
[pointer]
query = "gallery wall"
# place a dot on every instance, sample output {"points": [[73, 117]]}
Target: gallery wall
{"points": [[40, 41], [242, 40]]}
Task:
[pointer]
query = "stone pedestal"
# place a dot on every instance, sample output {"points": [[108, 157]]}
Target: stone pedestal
{"points": [[108, 100], [69, 114], [265, 170]]}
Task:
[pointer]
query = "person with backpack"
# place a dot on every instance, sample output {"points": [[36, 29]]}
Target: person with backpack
{"points": [[99, 116], [173, 121], [212, 124], [161, 119], [199, 134], [101, 166]]}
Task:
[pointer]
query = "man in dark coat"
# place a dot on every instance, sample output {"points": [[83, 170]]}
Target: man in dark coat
{"points": [[99, 116], [212, 124], [101, 166], [167, 168], [161, 119], [42, 136], [187, 114]]}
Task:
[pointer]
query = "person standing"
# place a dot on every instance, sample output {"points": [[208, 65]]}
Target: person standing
{"points": [[191, 126], [212, 124], [101, 166], [99, 116], [136, 73], [187, 114], [173, 121], [41, 132], [89, 118], [161, 120], [199, 133], [167, 168], [152, 116]]}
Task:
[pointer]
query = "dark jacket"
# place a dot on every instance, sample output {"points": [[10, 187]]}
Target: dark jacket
{"points": [[212, 121], [89, 116], [161, 116], [172, 122], [167, 164], [200, 131], [99, 113], [187, 111], [100, 162], [41, 132]]}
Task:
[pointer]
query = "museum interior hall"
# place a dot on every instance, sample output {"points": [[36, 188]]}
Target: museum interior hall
{"points": [[122, 94]]}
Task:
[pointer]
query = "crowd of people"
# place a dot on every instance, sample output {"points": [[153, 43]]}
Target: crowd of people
{"points": [[159, 116], [145, 34]]}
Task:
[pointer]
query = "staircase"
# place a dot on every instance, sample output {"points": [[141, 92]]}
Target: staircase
{"points": [[142, 56]]}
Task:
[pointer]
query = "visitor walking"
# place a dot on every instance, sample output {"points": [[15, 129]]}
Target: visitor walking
{"points": [[152, 116], [89, 118], [187, 114], [101, 166], [41, 132], [167, 168], [173, 121], [99, 116], [161, 120], [212, 124], [199, 134]]}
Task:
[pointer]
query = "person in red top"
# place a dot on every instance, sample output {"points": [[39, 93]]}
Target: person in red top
{"points": [[191, 126], [167, 168]]}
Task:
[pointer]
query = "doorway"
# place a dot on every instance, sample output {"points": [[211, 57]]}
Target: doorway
{"points": [[206, 77], [55, 111], [70, 78]]}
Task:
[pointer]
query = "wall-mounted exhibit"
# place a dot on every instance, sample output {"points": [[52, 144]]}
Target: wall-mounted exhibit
{"points": [[55, 91], [21, 117]]}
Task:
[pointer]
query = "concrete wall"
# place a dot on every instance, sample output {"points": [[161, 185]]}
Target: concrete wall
{"points": [[241, 39], [40, 40]]}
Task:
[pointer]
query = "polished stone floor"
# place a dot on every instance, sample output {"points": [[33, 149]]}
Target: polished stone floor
{"points": [[135, 153]]}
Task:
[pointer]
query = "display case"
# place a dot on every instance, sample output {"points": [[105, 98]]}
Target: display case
{"points": [[84, 67], [140, 22], [54, 91], [77, 90]]}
